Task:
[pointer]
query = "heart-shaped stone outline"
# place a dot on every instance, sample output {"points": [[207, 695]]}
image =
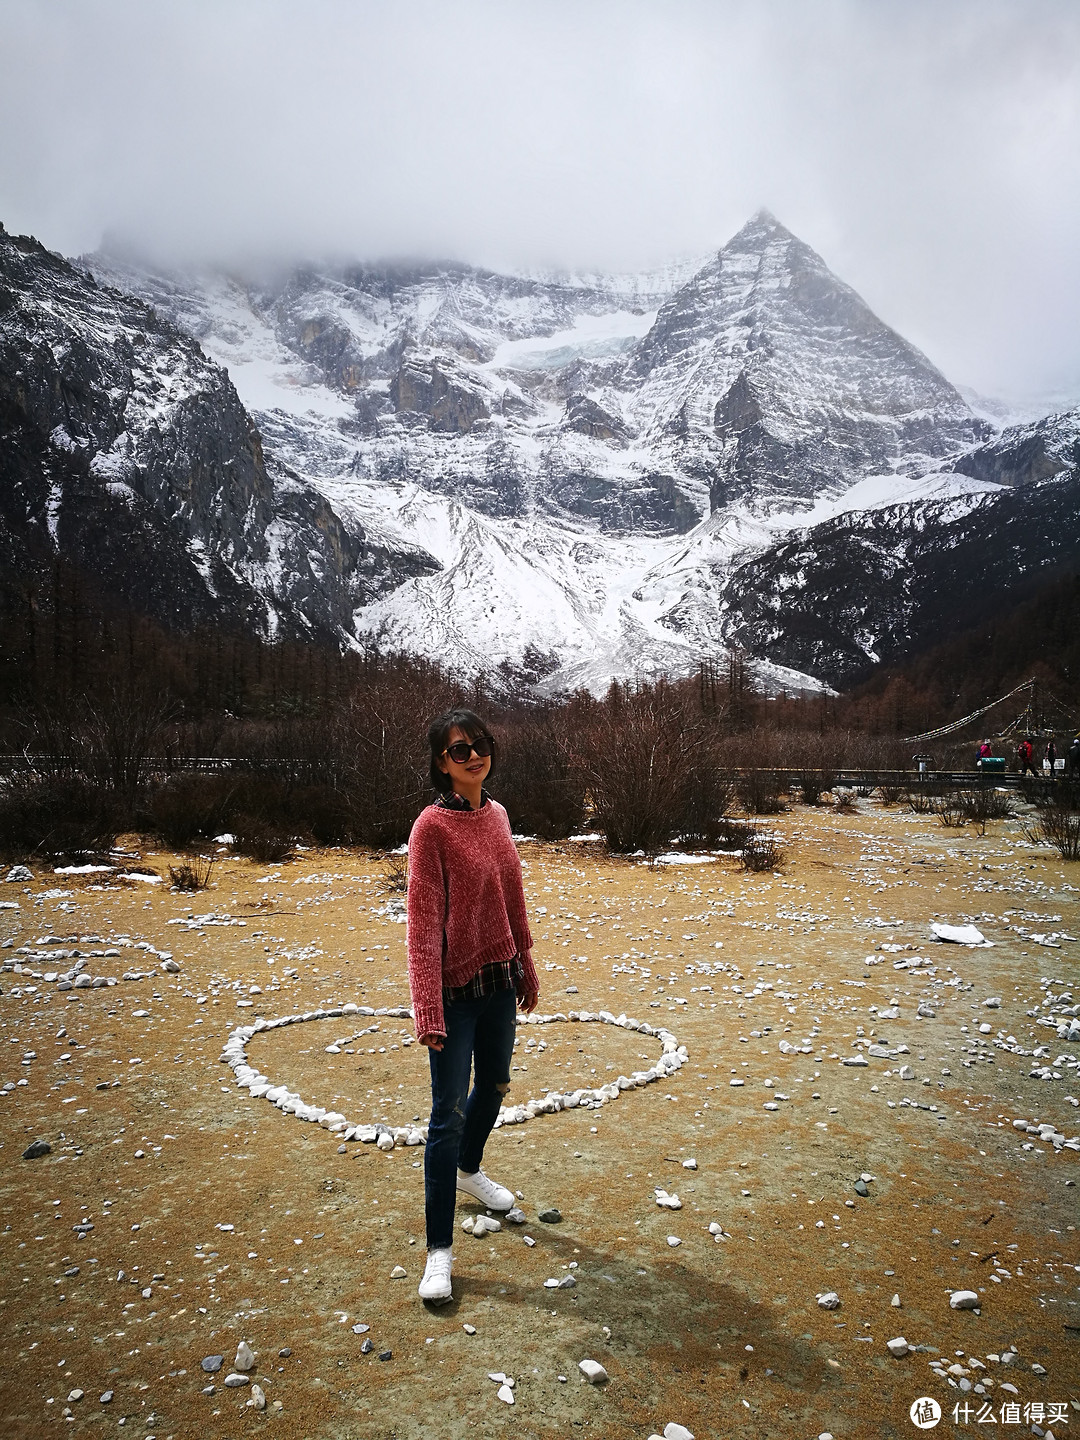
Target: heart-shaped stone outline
{"points": [[672, 1058]]}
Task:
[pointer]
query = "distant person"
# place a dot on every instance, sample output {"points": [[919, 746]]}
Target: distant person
{"points": [[1025, 755], [470, 967], [985, 752], [1072, 758], [1050, 757]]}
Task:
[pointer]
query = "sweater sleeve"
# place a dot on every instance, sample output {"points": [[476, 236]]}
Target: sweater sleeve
{"points": [[517, 914], [425, 928]]}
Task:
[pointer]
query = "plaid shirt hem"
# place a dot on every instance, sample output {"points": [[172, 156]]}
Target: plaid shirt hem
{"points": [[501, 975]]}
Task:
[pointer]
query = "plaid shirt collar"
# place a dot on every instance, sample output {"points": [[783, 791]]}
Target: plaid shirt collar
{"points": [[454, 801]]}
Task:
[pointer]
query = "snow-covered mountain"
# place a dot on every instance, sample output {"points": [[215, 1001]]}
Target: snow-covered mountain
{"points": [[560, 474]]}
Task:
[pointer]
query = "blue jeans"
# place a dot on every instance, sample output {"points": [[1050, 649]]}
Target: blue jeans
{"points": [[479, 1037]]}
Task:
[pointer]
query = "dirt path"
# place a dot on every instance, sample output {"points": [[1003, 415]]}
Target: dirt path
{"points": [[725, 1335]]}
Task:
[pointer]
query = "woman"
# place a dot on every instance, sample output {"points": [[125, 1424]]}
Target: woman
{"points": [[470, 965]]}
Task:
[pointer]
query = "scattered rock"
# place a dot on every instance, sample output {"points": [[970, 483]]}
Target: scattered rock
{"points": [[829, 1300], [895, 1301], [516, 1216], [484, 1225], [284, 1353], [926, 1012], [74, 1396], [667, 1202], [673, 1241], [258, 1397], [550, 1217], [367, 1347], [860, 1188], [469, 1329], [106, 1397], [36, 1149], [506, 1394], [963, 1300], [897, 1346], [18, 874], [677, 1432], [245, 1358], [235, 1380], [958, 934], [386, 1354], [399, 1272], [593, 1371], [689, 1165]]}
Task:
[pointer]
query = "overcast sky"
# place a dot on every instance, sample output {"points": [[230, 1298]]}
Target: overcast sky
{"points": [[929, 151]]}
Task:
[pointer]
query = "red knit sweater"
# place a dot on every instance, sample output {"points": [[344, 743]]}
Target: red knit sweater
{"points": [[466, 905]]}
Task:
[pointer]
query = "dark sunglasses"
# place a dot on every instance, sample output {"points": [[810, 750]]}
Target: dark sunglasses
{"points": [[459, 752]]}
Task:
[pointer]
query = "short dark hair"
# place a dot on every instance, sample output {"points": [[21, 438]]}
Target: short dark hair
{"points": [[470, 724]]}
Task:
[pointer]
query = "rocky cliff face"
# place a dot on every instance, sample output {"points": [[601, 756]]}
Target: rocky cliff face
{"points": [[780, 380], [126, 451], [609, 472], [1024, 453], [836, 599]]}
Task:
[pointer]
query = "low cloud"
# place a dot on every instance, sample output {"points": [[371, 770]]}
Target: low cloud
{"points": [[930, 152]]}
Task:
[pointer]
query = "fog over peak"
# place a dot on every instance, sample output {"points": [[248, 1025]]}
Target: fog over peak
{"points": [[930, 153]]}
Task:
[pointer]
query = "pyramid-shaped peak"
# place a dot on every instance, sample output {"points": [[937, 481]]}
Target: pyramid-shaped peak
{"points": [[761, 229]]}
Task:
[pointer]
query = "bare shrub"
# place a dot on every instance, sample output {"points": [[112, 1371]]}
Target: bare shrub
{"points": [[193, 874], [734, 833], [261, 840], [890, 794], [922, 802], [985, 804], [190, 806], [322, 812], [536, 776], [1059, 828], [759, 792], [950, 811], [708, 797], [57, 815], [109, 735], [813, 784], [761, 852], [845, 803], [396, 873], [637, 752]]}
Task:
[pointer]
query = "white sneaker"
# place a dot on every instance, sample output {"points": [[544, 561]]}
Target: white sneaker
{"points": [[495, 1197], [435, 1285]]}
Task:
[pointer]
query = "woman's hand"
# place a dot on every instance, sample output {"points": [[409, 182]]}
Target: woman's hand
{"points": [[433, 1042], [528, 1001]]}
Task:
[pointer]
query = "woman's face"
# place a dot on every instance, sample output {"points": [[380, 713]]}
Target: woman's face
{"points": [[474, 771]]}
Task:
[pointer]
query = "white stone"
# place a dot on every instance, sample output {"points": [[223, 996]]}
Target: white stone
{"points": [[963, 1300], [895, 1301], [245, 1359], [258, 1397], [829, 1300], [385, 1141], [593, 1371], [506, 1394], [398, 1272], [677, 1432], [673, 1241], [958, 934], [668, 1202], [898, 1346]]}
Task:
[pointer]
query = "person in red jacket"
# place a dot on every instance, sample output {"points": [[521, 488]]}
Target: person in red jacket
{"points": [[1024, 756], [470, 966]]}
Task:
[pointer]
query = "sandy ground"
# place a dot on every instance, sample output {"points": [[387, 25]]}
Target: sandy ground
{"points": [[724, 1336]]}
